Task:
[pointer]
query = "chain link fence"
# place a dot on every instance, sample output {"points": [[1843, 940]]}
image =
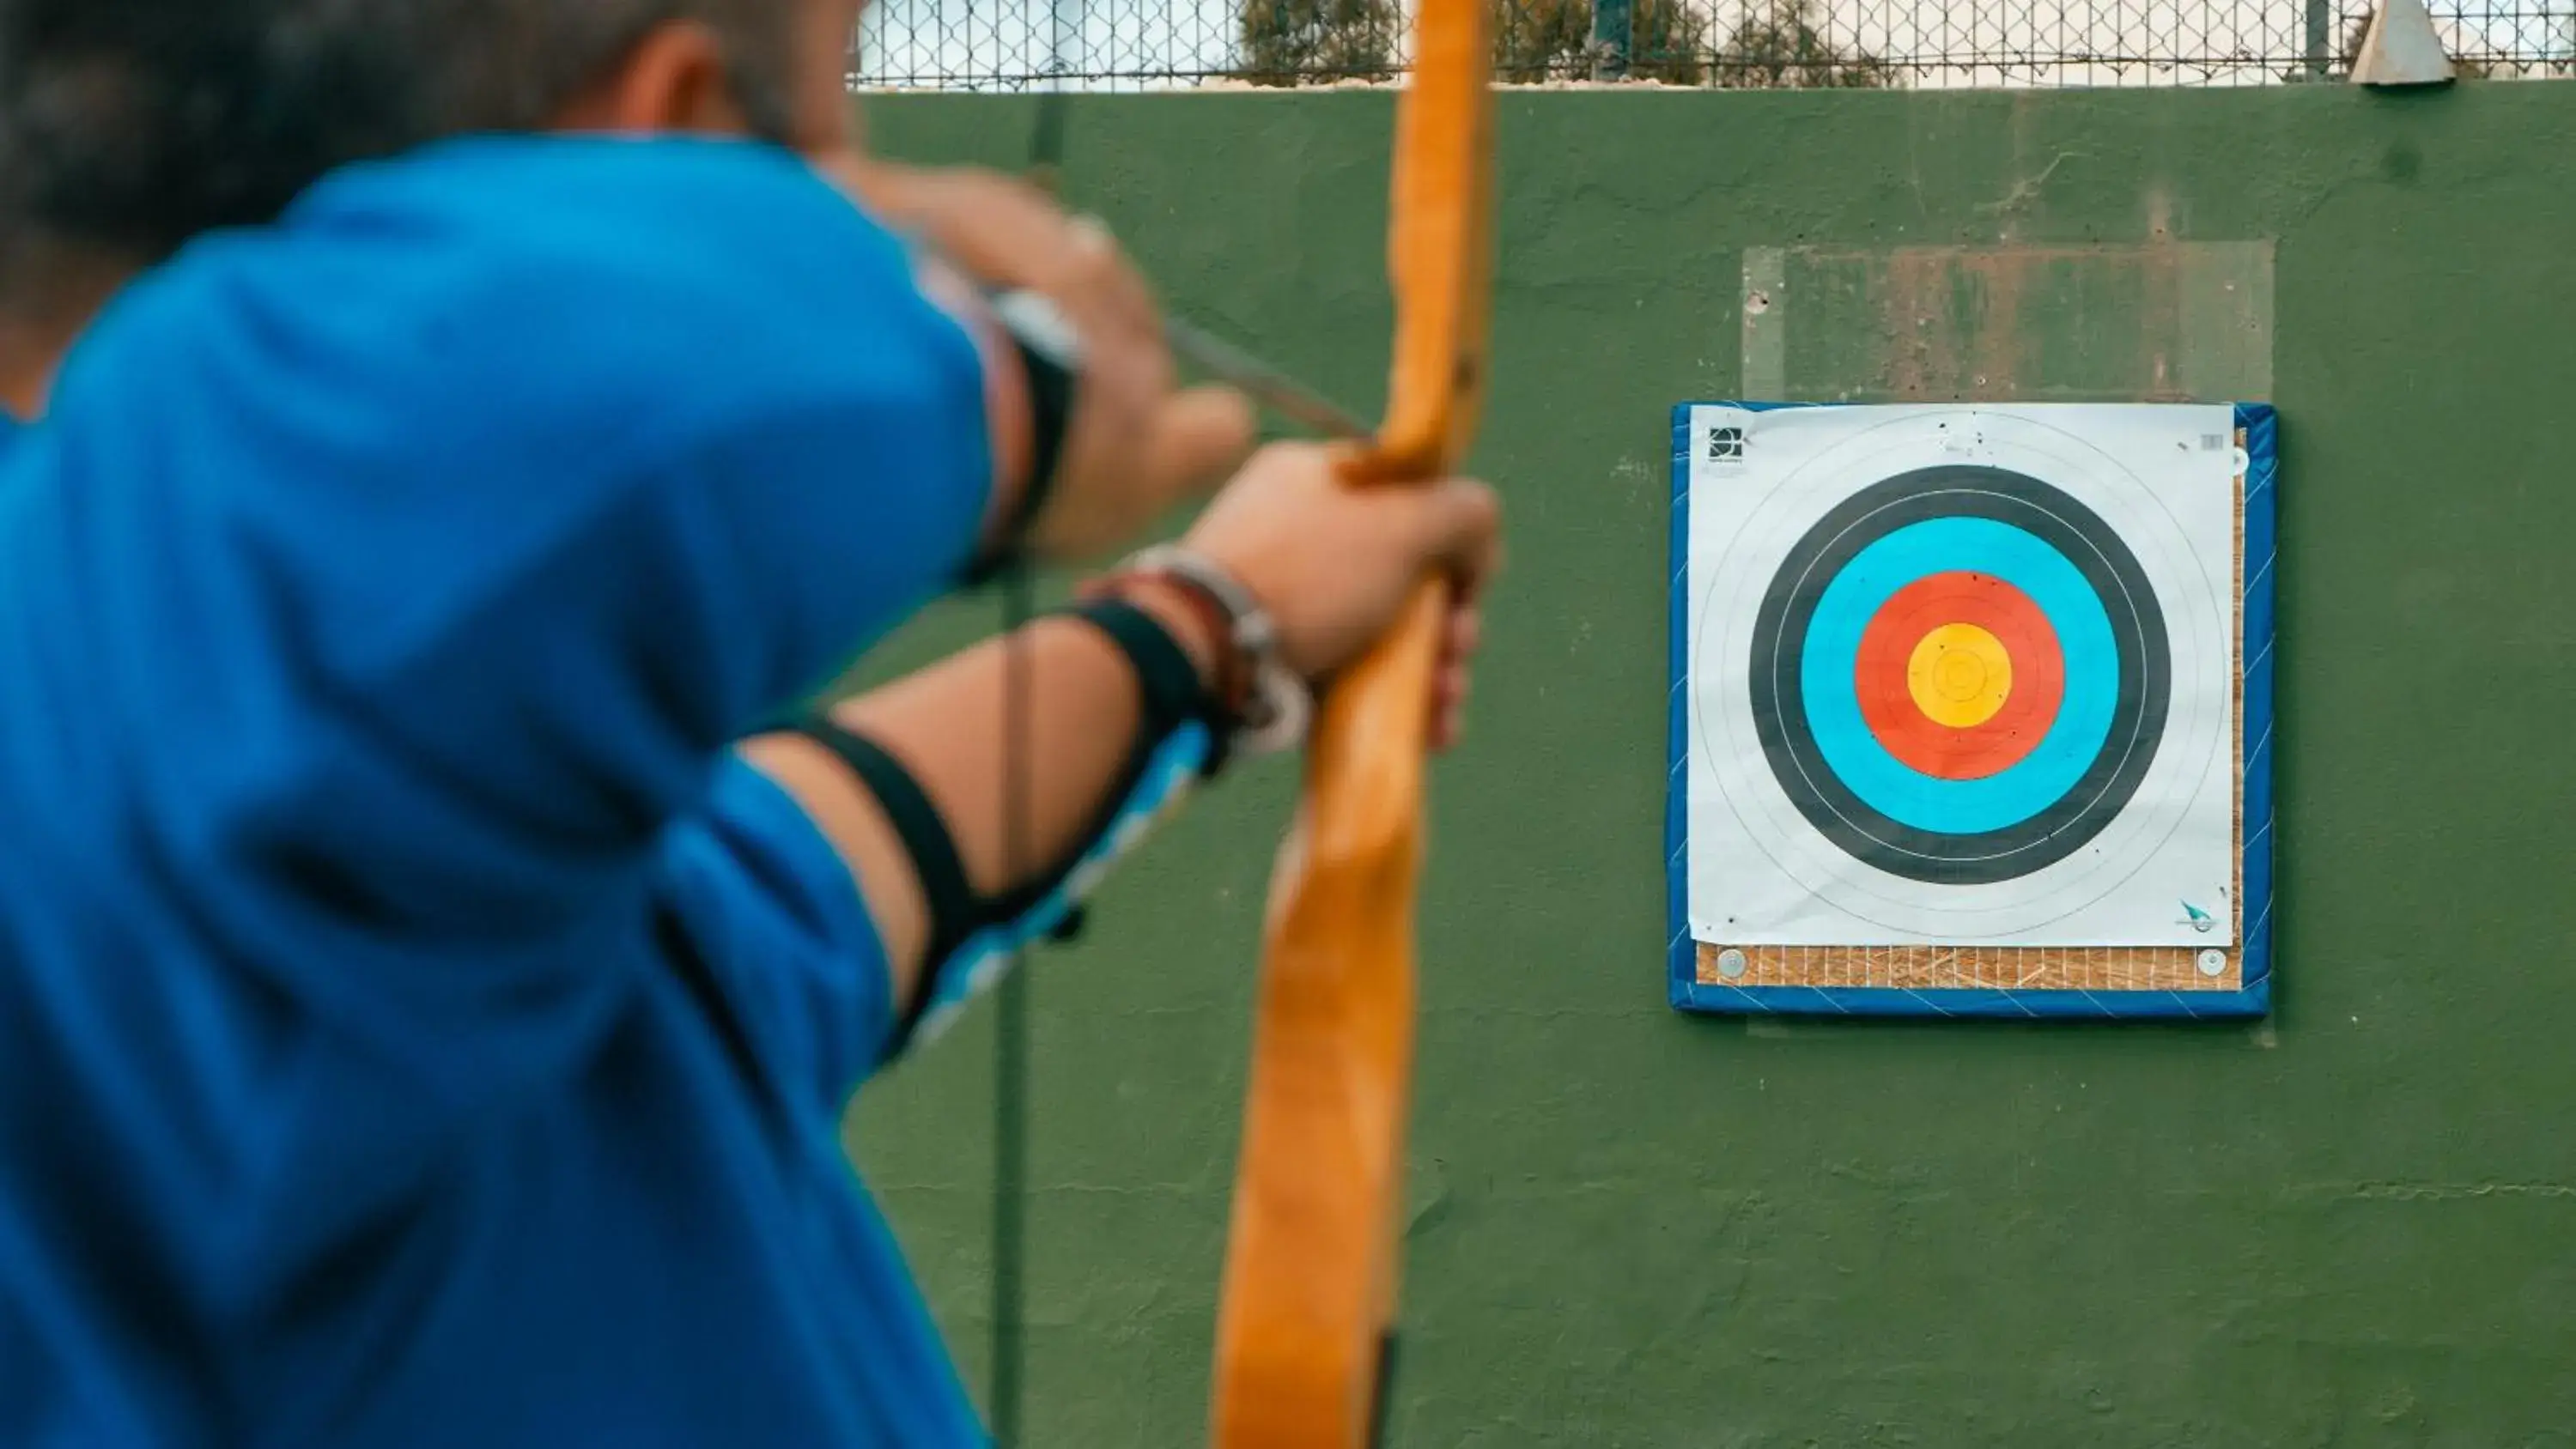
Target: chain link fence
{"points": [[1859, 44]]}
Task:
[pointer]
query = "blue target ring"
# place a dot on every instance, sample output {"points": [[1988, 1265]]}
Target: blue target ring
{"points": [[2086, 584], [1898, 790]]}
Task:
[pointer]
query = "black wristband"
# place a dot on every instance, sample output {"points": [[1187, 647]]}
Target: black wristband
{"points": [[947, 896], [1169, 688], [1169, 695], [1051, 379]]}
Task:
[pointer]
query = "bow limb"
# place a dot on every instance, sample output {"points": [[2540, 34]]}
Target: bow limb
{"points": [[1308, 1306]]}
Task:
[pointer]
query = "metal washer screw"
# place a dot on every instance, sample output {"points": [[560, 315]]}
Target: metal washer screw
{"points": [[2213, 963], [1730, 963]]}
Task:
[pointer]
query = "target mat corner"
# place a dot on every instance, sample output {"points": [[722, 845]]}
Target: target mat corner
{"points": [[1970, 709]]}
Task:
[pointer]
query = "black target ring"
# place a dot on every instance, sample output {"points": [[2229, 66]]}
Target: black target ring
{"points": [[2139, 707]]}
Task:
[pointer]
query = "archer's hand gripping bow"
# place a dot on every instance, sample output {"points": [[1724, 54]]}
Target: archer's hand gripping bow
{"points": [[1305, 1328]]}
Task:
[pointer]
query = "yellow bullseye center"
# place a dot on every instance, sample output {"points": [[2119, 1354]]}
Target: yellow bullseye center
{"points": [[1959, 675]]}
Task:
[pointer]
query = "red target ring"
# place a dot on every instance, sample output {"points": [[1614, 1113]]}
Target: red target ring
{"points": [[1886, 652]]}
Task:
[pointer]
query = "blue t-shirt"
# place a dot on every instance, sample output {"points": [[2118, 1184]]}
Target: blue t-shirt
{"points": [[413, 1029]]}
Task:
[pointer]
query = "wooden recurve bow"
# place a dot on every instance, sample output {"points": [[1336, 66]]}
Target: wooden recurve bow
{"points": [[1305, 1327]]}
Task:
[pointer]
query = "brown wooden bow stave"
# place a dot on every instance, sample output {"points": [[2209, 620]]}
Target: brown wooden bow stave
{"points": [[1312, 1259]]}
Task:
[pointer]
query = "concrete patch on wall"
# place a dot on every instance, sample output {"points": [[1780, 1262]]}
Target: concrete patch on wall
{"points": [[2157, 322]]}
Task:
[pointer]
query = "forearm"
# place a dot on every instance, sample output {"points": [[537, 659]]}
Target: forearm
{"points": [[1049, 747]]}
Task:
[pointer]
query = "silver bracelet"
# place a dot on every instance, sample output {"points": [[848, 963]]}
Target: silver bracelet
{"points": [[1281, 706]]}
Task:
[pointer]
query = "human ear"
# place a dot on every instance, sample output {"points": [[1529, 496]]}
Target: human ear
{"points": [[673, 80]]}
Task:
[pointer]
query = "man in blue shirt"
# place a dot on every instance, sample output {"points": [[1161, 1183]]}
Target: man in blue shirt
{"points": [[417, 1023]]}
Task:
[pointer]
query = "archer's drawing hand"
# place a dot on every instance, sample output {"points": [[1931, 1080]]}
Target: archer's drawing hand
{"points": [[1334, 564], [1138, 444]]}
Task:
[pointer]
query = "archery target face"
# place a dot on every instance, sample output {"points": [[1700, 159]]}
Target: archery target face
{"points": [[1962, 675]]}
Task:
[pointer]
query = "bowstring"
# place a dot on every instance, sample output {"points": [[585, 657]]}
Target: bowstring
{"points": [[1011, 1026], [1011, 1006]]}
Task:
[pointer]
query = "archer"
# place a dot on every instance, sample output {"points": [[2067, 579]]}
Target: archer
{"points": [[426, 998]]}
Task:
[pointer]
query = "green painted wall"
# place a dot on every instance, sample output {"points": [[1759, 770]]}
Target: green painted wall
{"points": [[2352, 1226]]}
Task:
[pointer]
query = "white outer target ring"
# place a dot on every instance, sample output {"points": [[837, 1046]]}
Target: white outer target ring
{"points": [[2195, 740]]}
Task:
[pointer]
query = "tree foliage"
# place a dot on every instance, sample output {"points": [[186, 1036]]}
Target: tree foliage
{"points": [[1542, 40], [1781, 49], [1777, 46], [1290, 42], [1668, 42]]}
